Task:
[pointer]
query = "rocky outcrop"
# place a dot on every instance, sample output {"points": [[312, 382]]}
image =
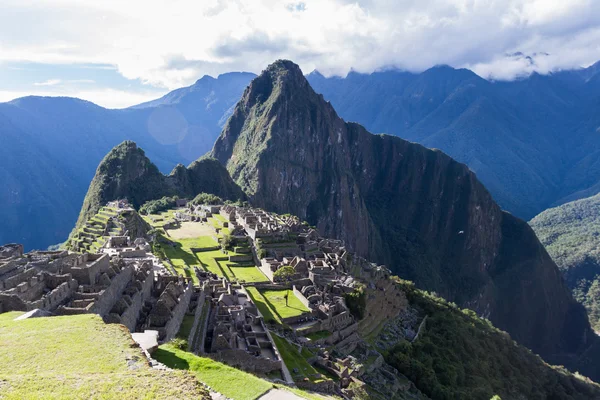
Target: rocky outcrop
{"points": [[416, 210], [126, 172]]}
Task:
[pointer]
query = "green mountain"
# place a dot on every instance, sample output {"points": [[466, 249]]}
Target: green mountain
{"points": [[418, 211], [126, 173], [461, 356], [571, 234]]}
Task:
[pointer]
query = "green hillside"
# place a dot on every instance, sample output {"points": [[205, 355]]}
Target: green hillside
{"points": [[571, 234], [81, 357]]}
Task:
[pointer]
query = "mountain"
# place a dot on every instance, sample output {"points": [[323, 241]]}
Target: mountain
{"points": [[571, 234], [52, 146], [532, 142], [126, 173], [416, 210]]}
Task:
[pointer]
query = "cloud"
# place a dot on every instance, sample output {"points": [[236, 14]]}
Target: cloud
{"points": [[170, 44], [49, 82]]}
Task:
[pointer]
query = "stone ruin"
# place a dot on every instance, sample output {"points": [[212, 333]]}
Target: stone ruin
{"points": [[236, 334], [120, 290]]}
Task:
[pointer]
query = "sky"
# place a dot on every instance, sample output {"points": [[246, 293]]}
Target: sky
{"points": [[118, 53]]}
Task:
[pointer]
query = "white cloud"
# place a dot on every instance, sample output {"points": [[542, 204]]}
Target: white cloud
{"points": [[49, 82], [172, 43]]}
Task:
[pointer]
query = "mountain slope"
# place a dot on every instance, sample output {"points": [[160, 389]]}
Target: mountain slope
{"points": [[571, 234], [416, 210], [530, 141], [52, 146], [126, 172]]}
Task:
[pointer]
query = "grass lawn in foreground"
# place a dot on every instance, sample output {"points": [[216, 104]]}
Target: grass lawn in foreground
{"points": [[231, 382], [81, 357]]}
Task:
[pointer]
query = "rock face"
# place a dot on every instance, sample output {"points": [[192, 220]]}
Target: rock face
{"points": [[418, 211], [126, 172]]}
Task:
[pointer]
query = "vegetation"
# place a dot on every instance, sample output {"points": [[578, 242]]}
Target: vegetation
{"points": [[571, 234], [156, 206], [296, 361], [272, 304], [231, 382], [461, 356], [357, 302], [284, 274], [80, 357], [207, 198]]}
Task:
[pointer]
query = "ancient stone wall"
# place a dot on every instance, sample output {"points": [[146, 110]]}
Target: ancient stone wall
{"points": [[86, 274], [15, 280], [56, 297], [178, 313], [325, 386], [130, 316], [195, 333], [301, 297], [243, 360], [109, 296]]}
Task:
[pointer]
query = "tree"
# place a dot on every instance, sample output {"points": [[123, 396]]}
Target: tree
{"points": [[284, 274], [226, 242]]}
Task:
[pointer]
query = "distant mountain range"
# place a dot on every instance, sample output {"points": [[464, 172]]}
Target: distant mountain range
{"points": [[52, 146], [534, 143]]}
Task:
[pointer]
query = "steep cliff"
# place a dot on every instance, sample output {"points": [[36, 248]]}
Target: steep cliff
{"points": [[126, 172], [418, 211]]}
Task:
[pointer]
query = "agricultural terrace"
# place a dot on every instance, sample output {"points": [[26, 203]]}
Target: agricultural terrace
{"points": [[297, 361], [272, 304], [80, 357]]}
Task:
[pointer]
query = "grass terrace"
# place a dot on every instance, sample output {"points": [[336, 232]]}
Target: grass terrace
{"points": [[81, 357], [231, 382], [297, 361], [272, 305]]}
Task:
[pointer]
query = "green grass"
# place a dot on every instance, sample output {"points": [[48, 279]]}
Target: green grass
{"points": [[267, 312], [186, 327], [297, 361], [229, 381], [250, 274], [219, 217], [271, 304], [200, 242], [209, 260], [80, 357]]}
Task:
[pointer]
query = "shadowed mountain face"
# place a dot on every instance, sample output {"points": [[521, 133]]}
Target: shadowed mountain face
{"points": [[126, 172], [532, 142], [418, 211], [52, 146]]}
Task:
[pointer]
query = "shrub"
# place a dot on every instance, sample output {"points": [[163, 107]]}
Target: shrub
{"points": [[207, 198], [156, 206]]}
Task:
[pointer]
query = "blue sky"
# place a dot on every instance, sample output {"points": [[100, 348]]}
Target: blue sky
{"points": [[118, 53]]}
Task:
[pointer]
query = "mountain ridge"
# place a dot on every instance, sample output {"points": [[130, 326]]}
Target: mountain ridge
{"points": [[416, 210]]}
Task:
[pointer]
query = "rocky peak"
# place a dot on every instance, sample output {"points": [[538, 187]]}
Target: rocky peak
{"points": [[418, 211]]}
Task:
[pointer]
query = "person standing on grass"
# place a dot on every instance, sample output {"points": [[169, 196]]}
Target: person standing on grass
{"points": [[285, 296]]}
